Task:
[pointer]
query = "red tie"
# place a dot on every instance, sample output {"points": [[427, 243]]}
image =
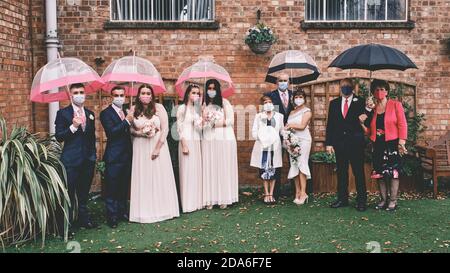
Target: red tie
{"points": [[346, 108]]}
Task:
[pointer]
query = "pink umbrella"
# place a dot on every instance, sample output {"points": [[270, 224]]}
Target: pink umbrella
{"points": [[200, 72], [132, 69], [60, 74]]}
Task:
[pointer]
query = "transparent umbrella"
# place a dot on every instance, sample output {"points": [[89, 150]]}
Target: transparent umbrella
{"points": [[51, 83], [202, 71]]}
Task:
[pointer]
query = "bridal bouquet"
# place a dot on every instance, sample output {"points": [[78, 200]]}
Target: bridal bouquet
{"points": [[150, 129], [211, 117], [292, 144]]}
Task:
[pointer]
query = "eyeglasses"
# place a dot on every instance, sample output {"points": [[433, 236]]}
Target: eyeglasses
{"points": [[118, 95], [193, 85]]}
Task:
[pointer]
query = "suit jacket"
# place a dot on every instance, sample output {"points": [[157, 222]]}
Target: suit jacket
{"points": [[278, 103], [78, 146], [118, 146], [338, 127], [395, 125]]}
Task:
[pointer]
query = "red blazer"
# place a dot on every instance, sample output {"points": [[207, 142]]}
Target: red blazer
{"points": [[395, 125]]}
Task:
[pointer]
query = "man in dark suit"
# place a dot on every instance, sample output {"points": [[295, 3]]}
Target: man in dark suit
{"points": [[345, 138], [117, 157], [75, 126], [281, 99]]}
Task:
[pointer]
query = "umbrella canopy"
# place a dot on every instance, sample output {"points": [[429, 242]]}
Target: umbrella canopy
{"points": [[135, 70], [298, 65], [60, 74], [373, 57], [202, 71]]}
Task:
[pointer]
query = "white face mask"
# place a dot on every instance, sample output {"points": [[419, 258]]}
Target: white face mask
{"points": [[283, 86], [78, 99], [268, 107], [119, 101], [212, 93], [299, 101]]}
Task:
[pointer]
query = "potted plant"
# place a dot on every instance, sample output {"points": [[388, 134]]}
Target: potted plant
{"points": [[33, 187], [260, 38]]}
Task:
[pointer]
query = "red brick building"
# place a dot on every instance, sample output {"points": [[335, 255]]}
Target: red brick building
{"points": [[90, 29]]}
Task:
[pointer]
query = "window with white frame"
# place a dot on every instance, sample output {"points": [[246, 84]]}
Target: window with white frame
{"points": [[356, 10], [162, 10]]}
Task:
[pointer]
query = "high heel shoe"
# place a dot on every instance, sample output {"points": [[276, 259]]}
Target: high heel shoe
{"points": [[394, 208], [381, 205], [304, 200]]}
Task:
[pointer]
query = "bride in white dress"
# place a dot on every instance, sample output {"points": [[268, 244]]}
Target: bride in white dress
{"points": [[299, 119]]}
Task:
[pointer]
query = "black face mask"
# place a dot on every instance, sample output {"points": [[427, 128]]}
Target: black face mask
{"points": [[346, 90]]}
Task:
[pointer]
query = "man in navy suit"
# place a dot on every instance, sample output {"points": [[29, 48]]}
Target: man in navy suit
{"points": [[117, 157], [75, 126], [281, 99]]}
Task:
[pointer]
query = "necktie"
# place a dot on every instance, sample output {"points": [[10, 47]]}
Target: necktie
{"points": [[121, 114], [83, 119], [285, 101], [345, 108]]}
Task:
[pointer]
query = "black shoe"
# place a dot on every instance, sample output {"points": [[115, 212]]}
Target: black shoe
{"points": [[125, 217], [88, 225], [339, 204], [112, 222], [389, 208], [361, 207]]}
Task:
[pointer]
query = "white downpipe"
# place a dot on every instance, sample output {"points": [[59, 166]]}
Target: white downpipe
{"points": [[52, 45]]}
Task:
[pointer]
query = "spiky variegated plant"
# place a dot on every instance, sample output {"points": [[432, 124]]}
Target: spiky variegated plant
{"points": [[33, 190]]}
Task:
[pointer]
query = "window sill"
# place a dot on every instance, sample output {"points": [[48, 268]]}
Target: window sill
{"points": [[357, 25], [212, 25]]}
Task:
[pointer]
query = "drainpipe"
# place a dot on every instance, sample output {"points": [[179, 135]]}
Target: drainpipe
{"points": [[52, 45]]}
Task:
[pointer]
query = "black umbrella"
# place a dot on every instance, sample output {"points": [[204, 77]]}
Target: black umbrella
{"points": [[373, 57]]}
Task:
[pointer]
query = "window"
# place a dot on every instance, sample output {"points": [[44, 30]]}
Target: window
{"points": [[356, 10], [162, 10]]}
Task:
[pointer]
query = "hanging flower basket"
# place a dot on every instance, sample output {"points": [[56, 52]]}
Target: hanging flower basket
{"points": [[260, 48], [260, 38]]}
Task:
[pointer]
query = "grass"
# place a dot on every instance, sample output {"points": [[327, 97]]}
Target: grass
{"points": [[421, 225]]}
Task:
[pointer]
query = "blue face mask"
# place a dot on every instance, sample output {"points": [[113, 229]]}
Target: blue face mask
{"points": [[283, 86], [346, 90]]}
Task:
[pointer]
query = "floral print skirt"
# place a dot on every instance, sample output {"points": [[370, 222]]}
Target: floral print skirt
{"points": [[386, 159]]}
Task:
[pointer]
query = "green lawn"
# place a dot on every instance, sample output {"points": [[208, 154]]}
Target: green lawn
{"points": [[421, 225]]}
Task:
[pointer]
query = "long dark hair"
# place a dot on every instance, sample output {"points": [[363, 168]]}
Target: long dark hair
{"points": [[139, 108], [217, 100], [188, 92]]}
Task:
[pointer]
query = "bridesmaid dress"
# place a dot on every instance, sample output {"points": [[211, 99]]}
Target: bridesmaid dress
{"points": [[190, 164], [305, 146], [219, 157], [153, 189]]}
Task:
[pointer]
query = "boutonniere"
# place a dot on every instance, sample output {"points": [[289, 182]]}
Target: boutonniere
{"points": [[355, 99], [91, 117]]}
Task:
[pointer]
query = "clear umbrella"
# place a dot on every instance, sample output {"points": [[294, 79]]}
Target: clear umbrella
{"points": [[200, 72], [298, 65], [59, 75], [133, 69]]}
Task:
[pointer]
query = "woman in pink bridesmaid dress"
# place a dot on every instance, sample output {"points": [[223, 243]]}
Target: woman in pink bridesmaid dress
{"points": [[153, 190], [189, 150], [219, 150]]}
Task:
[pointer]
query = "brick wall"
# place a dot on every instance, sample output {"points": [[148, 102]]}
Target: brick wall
{"points": [[82, 35], [15, 62]]}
